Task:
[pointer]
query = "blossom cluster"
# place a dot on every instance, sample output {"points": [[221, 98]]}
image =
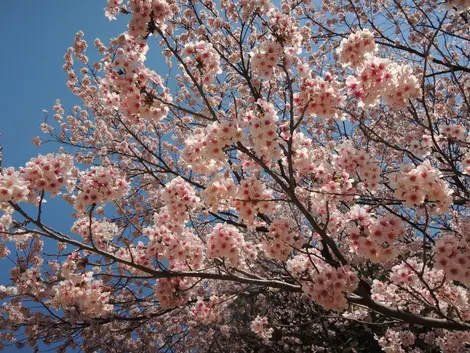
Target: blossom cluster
{"points": [[421, 147], [209, 311], [286, 32], [100, 185], [13, 187], [325, 284], [253, 198], [112, 9], [453, 256], [180, 198], [5, 220], [260, 326], [30, 282], [382, 78], [137, 254], [263, 127], [134, 86], [204, 61], [85, 293], [432, 284], [376, 238], [320, 97], [204, 150], [178, 248], [143, 13], [453, 341], [249, 6], [360, 163], [394, 340], [303, 156], [354, 49], [218, 193], [99, 232], [48, 173], [226, 242], [330, 286], [265, 57], [416, 185], [203, 311], [466, 163], [454, 132], [79, 47], [280, 239], [173, 291]]}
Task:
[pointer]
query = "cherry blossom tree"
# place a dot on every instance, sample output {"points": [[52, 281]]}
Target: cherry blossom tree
{"points": [[296, 180]]}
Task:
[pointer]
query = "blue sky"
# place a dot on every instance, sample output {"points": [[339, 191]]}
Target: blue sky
{"points": [[35, 37]]}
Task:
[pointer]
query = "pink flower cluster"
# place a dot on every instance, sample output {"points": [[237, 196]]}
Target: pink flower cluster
{"points": [[375, 238], [404, 87], [209, 311], [79, 47], [265, 57], [453, 341], [218, 193], [466, 163], [378, 77], [320, 97], [203, 311], [136, 254], [49, 173], [134, 86], [100, 185], [226, 242], [30, 282], [102, 231], [354, 49], [280, 239], [181, 250], [173, 292], [285, 30], [330, 286], [253, 198], [180, 198], [358, 163], [421, 147], [112, 9], [404, 276], [143, 12], [416, 185], [260, 327], [13, 187], [85, 293], [6, 220], [249, 6], [325, 284], [204, 150], [453, 256], [394, 340], [454, 132], [204, 61], [303, 156], [4, 251], [164, 218], [263, 130]]}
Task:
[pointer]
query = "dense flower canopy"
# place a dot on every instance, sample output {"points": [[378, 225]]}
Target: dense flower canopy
{"points": [[296, 180]]}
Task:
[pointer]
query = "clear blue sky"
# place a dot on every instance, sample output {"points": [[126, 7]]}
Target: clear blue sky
{"points": [[35, 37]]}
